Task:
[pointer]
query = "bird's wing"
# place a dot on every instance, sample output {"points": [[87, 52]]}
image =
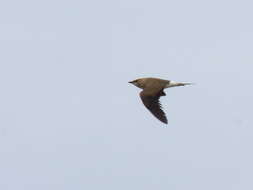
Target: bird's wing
{"points": [[151, 101]]}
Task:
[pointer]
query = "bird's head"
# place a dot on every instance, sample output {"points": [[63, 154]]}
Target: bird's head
{"points": [[138, 82]]}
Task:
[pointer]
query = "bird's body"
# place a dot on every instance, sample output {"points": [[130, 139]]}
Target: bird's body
{"points": [[152, 91]]}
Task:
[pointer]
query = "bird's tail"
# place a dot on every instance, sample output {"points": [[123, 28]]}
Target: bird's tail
{"points": [[186, 83], [173, 84]]}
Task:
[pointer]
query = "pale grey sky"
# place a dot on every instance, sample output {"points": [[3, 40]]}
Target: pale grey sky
{"points": [[70, 120]]}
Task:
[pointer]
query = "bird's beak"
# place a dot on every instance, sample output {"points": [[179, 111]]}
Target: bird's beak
{"points": [[130, 82]]}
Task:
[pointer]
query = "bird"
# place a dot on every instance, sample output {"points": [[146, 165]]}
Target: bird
{"points": [[152, 90]]}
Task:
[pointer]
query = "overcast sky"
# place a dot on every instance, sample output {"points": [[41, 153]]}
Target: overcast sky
{"points": [[69, 119]]}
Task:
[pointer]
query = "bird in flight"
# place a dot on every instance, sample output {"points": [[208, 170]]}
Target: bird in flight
{"points": [[152, 90]]}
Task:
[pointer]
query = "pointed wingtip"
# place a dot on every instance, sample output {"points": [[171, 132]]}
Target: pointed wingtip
{"points": [[165, 121]]}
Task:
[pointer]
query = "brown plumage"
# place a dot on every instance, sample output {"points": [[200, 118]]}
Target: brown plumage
{"points": [[152, 91]]}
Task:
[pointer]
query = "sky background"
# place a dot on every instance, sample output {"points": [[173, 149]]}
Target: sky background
{"points": [[70, 120]]}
